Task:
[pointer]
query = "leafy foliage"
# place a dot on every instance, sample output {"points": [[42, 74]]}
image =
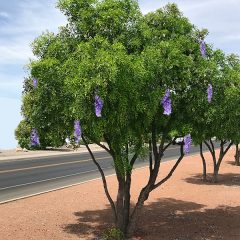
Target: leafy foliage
{"points": [[129, 61], [22, 134], [113, 234]]}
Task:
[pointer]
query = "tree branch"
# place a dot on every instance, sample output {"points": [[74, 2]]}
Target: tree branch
{"points": [[101, 145], [224, 141], [212, 151], [161, 146], [104, 147], [213, 148], [154, 141], [208, 146], [172, 170], [134, 158], [228, 147], [221, 149], [150, 156], [103, 178], [165, 148], [203, 162], [223, 152]]}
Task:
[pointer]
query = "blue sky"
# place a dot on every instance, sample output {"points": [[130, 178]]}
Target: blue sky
{"points": [[21, 21]]}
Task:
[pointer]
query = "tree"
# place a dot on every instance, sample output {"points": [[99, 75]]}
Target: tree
{"points": [[221, 117], [22, 134], [46, 106], [142, 73]]}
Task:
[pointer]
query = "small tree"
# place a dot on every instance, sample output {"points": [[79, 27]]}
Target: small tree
{"points": [[221, 117], [22, 134]]}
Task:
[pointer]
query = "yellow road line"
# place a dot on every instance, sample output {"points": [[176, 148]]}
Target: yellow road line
{"points": [[50, 165]]}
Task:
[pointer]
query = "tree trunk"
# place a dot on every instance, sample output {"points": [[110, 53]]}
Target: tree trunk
{"points": [[204, 176], [120, 206], [215, 173], [237, 157], [127, 198], [123, 203], [137, 210], [132, 223]]}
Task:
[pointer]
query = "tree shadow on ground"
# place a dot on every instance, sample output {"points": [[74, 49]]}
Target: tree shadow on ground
{"points": [[167, 219], [232, 163], [227, 179]]}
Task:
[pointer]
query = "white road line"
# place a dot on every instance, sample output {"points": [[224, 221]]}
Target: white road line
{"points": [[49, 179], [75, 184], [51, 165]]}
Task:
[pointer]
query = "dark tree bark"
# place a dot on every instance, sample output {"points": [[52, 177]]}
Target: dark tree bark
{"points": [[204, 176], [217, 162], [125, 220], [103, 180], [123, 202], [120, 205], [151, 185], [127, 202], [237, 155]]}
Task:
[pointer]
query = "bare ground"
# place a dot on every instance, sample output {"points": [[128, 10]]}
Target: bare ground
{"points": [[184, 208]]}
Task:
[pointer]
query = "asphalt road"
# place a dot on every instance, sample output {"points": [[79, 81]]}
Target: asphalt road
{"points": [[27, 177]]}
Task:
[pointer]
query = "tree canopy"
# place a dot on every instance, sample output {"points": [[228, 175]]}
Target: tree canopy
{"points": [[150, 74]]}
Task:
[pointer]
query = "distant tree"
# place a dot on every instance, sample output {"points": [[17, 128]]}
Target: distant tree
{"points": [[46, 106], [22, 134], [221, 118], [233, 101]]}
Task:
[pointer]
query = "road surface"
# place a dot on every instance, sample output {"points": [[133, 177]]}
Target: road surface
{"points": [[27, 177]]}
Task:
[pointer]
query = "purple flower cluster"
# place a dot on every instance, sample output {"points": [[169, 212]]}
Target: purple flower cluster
{"points": [[187, 143], [98, 106], [203, 48], [34, 138], [210, 92], [35, 82], [77, 131], [166, 103]]}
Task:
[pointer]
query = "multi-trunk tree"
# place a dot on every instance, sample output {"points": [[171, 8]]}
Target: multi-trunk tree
{"points": [[127, 79], [220, 116]]}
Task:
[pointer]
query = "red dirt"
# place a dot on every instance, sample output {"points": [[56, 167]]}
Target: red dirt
{"points": [[184, 208]]}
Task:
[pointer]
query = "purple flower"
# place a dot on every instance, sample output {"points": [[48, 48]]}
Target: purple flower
{"points": [[35, 82], [210, 92], [187, 143], [98, 106], [34, 139], [166, 103], [203, 48], [77, 131]]}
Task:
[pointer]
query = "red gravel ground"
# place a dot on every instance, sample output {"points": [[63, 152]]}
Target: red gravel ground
{"points": [[184, 208]]}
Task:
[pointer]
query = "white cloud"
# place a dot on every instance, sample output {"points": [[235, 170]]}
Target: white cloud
{"points": [[4, 15], [14, 52], [33, 18], [19, 26]]}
